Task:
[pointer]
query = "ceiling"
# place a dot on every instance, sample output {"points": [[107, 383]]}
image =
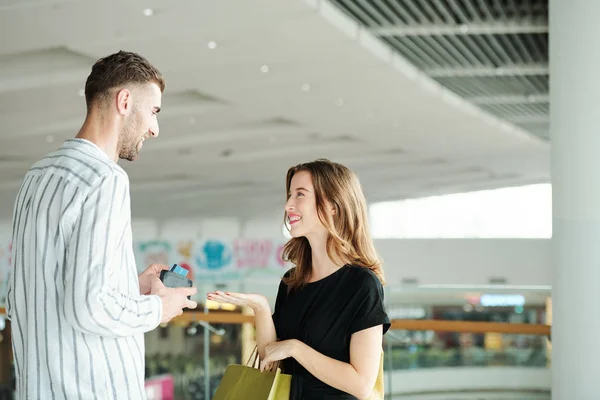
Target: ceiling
{"points": [[492, 53], [421, 98]]}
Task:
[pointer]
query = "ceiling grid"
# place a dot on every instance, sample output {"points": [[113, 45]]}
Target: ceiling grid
{"points": [[493, 53]]}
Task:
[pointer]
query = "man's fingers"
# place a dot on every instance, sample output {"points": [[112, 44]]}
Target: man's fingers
{"points": [[188, 291], [158, 267], [191, 304], [155, 284]]}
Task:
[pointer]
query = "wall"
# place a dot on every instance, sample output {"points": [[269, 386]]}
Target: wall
{"points": [[467, 261], [429, 261], [425, 261]]}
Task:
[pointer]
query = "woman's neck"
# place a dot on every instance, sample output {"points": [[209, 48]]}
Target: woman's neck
{"points": [[322, 266]]}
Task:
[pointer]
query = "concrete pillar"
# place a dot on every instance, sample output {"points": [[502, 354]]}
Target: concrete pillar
{"points": [[575, 165]]}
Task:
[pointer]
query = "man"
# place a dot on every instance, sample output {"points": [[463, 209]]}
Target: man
{"points": [[78, 308]]}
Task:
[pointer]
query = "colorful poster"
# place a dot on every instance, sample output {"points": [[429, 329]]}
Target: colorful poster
{"points": [[216, 260], [207, 260], [153, 252]]}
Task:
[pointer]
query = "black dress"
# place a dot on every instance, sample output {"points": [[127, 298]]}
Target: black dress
{"points": [[324, 315]]}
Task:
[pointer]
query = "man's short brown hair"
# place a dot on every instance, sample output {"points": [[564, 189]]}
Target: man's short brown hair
{"points": [[117, 70]]}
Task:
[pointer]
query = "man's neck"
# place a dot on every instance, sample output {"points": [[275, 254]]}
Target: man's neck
{"points": [[103, 132]]}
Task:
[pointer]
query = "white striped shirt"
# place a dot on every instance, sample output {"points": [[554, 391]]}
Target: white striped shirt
{"points": [[73, 296]]}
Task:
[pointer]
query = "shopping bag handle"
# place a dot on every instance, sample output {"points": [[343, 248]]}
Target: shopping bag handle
{"points": [[255, 359]]}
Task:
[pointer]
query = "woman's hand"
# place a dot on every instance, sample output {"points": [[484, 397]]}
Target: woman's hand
{"points": [[278, 351], [265, 328], [256, 302]]}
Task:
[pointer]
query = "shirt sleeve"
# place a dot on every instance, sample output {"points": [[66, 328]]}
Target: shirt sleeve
{"points": [[93, 302], [370, 311]]}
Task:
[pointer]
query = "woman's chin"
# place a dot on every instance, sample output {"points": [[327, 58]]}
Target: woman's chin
{"points": [[296, 233]]}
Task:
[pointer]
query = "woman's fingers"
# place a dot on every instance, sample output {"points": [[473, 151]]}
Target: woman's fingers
{"points": [[265, 365], [221, 297]]}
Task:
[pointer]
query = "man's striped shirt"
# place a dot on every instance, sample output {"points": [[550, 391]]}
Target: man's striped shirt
{"points": [[73, 297]]}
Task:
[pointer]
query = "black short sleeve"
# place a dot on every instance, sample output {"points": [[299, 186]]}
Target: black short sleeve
{"points": [[371, 311], [324, 314]]}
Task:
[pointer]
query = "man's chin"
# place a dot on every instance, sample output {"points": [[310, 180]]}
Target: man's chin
{"points": [[129, 157]]}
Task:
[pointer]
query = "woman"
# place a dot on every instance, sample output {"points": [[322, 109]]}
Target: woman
{"points": [[329, 319]]}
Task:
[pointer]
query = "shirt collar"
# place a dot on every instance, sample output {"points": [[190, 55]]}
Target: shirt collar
{"points": [[87, 147]]}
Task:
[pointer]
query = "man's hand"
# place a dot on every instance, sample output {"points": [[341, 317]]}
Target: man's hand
{"points": [[145, 278], [174, 300]]}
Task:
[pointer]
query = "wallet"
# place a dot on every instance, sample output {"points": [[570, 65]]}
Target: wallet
{"points": [[176, 277]]}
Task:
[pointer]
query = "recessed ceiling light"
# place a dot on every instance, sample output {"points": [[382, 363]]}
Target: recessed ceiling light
{"points": [[339, 102], [212, 45], [81, 92], [464, 28], [148, 12], [50, 139], [306, 87], [264, 69]]}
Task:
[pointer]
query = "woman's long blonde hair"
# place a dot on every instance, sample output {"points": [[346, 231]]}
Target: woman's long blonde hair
{"points": [[349, 240]]}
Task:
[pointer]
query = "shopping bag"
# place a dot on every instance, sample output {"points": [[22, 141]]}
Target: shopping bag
{"points": [[243, 382], [378, 392]]}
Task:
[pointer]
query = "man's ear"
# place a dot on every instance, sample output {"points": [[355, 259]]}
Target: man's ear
{"points": [[124, 101]]}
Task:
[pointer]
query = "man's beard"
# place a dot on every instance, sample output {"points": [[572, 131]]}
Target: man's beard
{"points": [[128, 140]]}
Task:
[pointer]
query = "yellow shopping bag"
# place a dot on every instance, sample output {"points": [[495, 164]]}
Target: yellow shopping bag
{"points": [[243, 382], [379, 389]]}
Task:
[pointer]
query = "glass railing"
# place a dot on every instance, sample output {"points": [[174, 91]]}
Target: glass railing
{"points": [[191, 356], [428, 349], [425, 345]]}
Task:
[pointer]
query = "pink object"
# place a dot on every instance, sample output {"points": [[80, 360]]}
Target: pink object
{"points": [[160, 387]]}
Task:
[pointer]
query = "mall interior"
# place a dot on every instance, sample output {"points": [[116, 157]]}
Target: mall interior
{"points": [[484, 203]]}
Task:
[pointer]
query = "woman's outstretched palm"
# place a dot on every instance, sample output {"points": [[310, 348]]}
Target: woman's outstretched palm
{"points": [[257, 302]]}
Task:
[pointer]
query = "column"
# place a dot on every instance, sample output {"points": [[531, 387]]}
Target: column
{"points": [[574, 39]]}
